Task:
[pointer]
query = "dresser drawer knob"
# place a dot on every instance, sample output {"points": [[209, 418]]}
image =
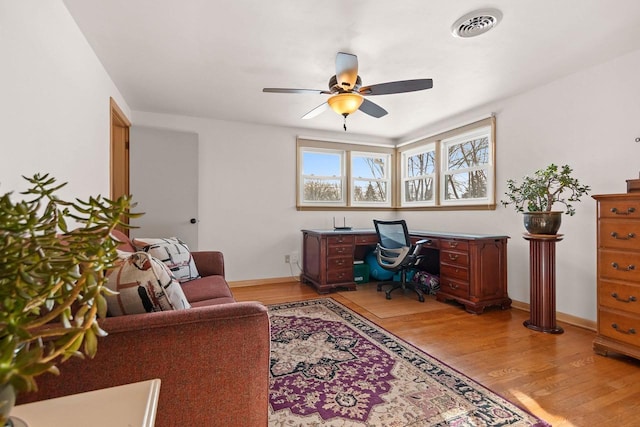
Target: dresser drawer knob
{"points": [[630, 331], [630, 267], [453, 257], [452, 286], [627, 237], [630, 299], [629, 211]]}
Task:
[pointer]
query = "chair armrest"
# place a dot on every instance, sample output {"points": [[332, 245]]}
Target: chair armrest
{"points": [[418, 246], [209, 263]]}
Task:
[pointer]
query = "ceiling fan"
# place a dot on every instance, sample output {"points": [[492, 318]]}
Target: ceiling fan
{"points": [[348, 93]]}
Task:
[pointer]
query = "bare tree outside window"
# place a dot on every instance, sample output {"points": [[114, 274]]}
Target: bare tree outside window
{"points": [[370, 178], [467, 167], [420, 168]]}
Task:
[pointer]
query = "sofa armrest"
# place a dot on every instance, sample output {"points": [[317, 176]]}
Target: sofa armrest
{"points": [[209, 263], [213, 363]]}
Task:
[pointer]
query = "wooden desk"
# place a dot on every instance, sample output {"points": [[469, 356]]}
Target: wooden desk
{"points": [[472, 267], [131, 405]]}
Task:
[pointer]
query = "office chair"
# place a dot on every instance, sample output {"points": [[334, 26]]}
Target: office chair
{"points": [[395, 252]]}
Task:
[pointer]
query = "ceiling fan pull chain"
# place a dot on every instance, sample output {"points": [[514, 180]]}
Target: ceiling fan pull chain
{"points": [[344, 124]]}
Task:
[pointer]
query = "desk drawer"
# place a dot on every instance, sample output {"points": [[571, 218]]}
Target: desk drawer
{"points": [[340, 239], [619, 234], [619, 265], [454, 271], [339, 263], [621, 327], [339, 250], [620, 296], [366, 239], [338, 276], [454, 287], [459, 245], [455, 258]]}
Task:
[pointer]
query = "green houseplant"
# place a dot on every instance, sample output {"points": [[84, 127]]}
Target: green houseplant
{"points": [[51, 281], [540, 192]]}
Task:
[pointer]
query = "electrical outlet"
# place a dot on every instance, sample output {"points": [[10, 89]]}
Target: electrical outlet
{"points": [[287, 259], [294, 257]]}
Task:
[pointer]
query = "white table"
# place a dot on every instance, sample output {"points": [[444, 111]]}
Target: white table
{"points": [[130, 405]]}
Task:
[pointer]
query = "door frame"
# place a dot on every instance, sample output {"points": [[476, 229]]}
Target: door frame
{"points": [[119, 154]]}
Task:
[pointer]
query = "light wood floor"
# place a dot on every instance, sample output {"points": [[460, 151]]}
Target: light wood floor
{"points": [[556, 377]]}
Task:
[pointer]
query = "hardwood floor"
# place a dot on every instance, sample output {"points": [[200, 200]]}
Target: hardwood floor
{"points": [[557, 377]]}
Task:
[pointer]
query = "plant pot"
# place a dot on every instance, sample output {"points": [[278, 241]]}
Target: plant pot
{"points": [[542, 222]]}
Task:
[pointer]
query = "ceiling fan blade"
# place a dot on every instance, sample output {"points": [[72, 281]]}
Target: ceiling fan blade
{"points": [[372, 109], [316, 111], [346, 70], [284, 90], [397, 87]]}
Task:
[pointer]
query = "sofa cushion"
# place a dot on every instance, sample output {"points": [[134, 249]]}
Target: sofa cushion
{"points": [[206, 288], [144, 284], [173, 252]]}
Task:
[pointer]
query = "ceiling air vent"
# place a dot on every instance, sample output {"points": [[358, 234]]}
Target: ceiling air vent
{"points": [[475, 23]]}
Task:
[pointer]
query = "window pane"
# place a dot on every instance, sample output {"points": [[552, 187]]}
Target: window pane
{"points": [[421, 164], [321, 164], [322, 190], [368, 167], [369, 191], [469, 154], [467, 185], [418, 190]]}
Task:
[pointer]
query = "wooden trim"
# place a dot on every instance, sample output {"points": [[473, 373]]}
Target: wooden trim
{"points": [[259, 282], [562, 317], [491, 207]]}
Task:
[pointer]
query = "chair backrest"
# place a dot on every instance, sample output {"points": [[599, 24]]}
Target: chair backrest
{"points": [[392, 234]]}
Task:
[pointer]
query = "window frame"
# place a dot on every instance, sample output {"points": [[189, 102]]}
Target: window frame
{"points": [[397, 173], [386, 179], [342, 178], [404, 177]]}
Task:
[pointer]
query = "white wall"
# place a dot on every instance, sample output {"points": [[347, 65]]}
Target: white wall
{"points": [[54, 100], [588, 120]]}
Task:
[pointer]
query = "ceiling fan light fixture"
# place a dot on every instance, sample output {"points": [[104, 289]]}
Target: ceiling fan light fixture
{"points": [[476, 23], [345, 103]]}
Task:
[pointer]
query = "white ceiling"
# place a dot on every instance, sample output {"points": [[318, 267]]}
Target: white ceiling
{"points": [[211, 58]]}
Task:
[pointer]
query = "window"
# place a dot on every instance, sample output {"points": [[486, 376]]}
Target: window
{"points": [[323, 177], [451, 170], [418, 176], [466, 168], [370, 179]]}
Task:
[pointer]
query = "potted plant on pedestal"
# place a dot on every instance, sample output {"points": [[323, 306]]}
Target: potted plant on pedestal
{"points": [[538, 194], [51, 281]]}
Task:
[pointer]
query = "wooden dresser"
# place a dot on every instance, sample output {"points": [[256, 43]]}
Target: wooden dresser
{"points": [[472, 267], [618, 274]]}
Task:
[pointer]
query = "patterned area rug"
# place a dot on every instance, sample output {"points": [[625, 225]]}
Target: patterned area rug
{"points": [[332, 367]]}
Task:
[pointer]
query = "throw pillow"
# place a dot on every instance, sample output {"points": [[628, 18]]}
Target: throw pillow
{"points": [[174, 253], [144, 284]]}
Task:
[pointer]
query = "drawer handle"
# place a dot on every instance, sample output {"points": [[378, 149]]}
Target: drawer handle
{"points": [[630, 267], [452, 286], [627, 237], [629, 211], [630, 331], [340, 262], [630, 299], [340, 250], [453, 244], [453, 257]]}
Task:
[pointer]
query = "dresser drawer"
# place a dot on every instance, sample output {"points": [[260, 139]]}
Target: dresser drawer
{"points": [[339, 263], [620, 296], [619, 209], [460, 245], [619, 234], [455, 258], [454, 272], [619, 326], [340, 239], [338, 276], [620, 265], [454, 287], [339, 250]]}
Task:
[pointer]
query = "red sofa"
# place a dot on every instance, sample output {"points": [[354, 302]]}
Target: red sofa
{"points": [[212, 359]]}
